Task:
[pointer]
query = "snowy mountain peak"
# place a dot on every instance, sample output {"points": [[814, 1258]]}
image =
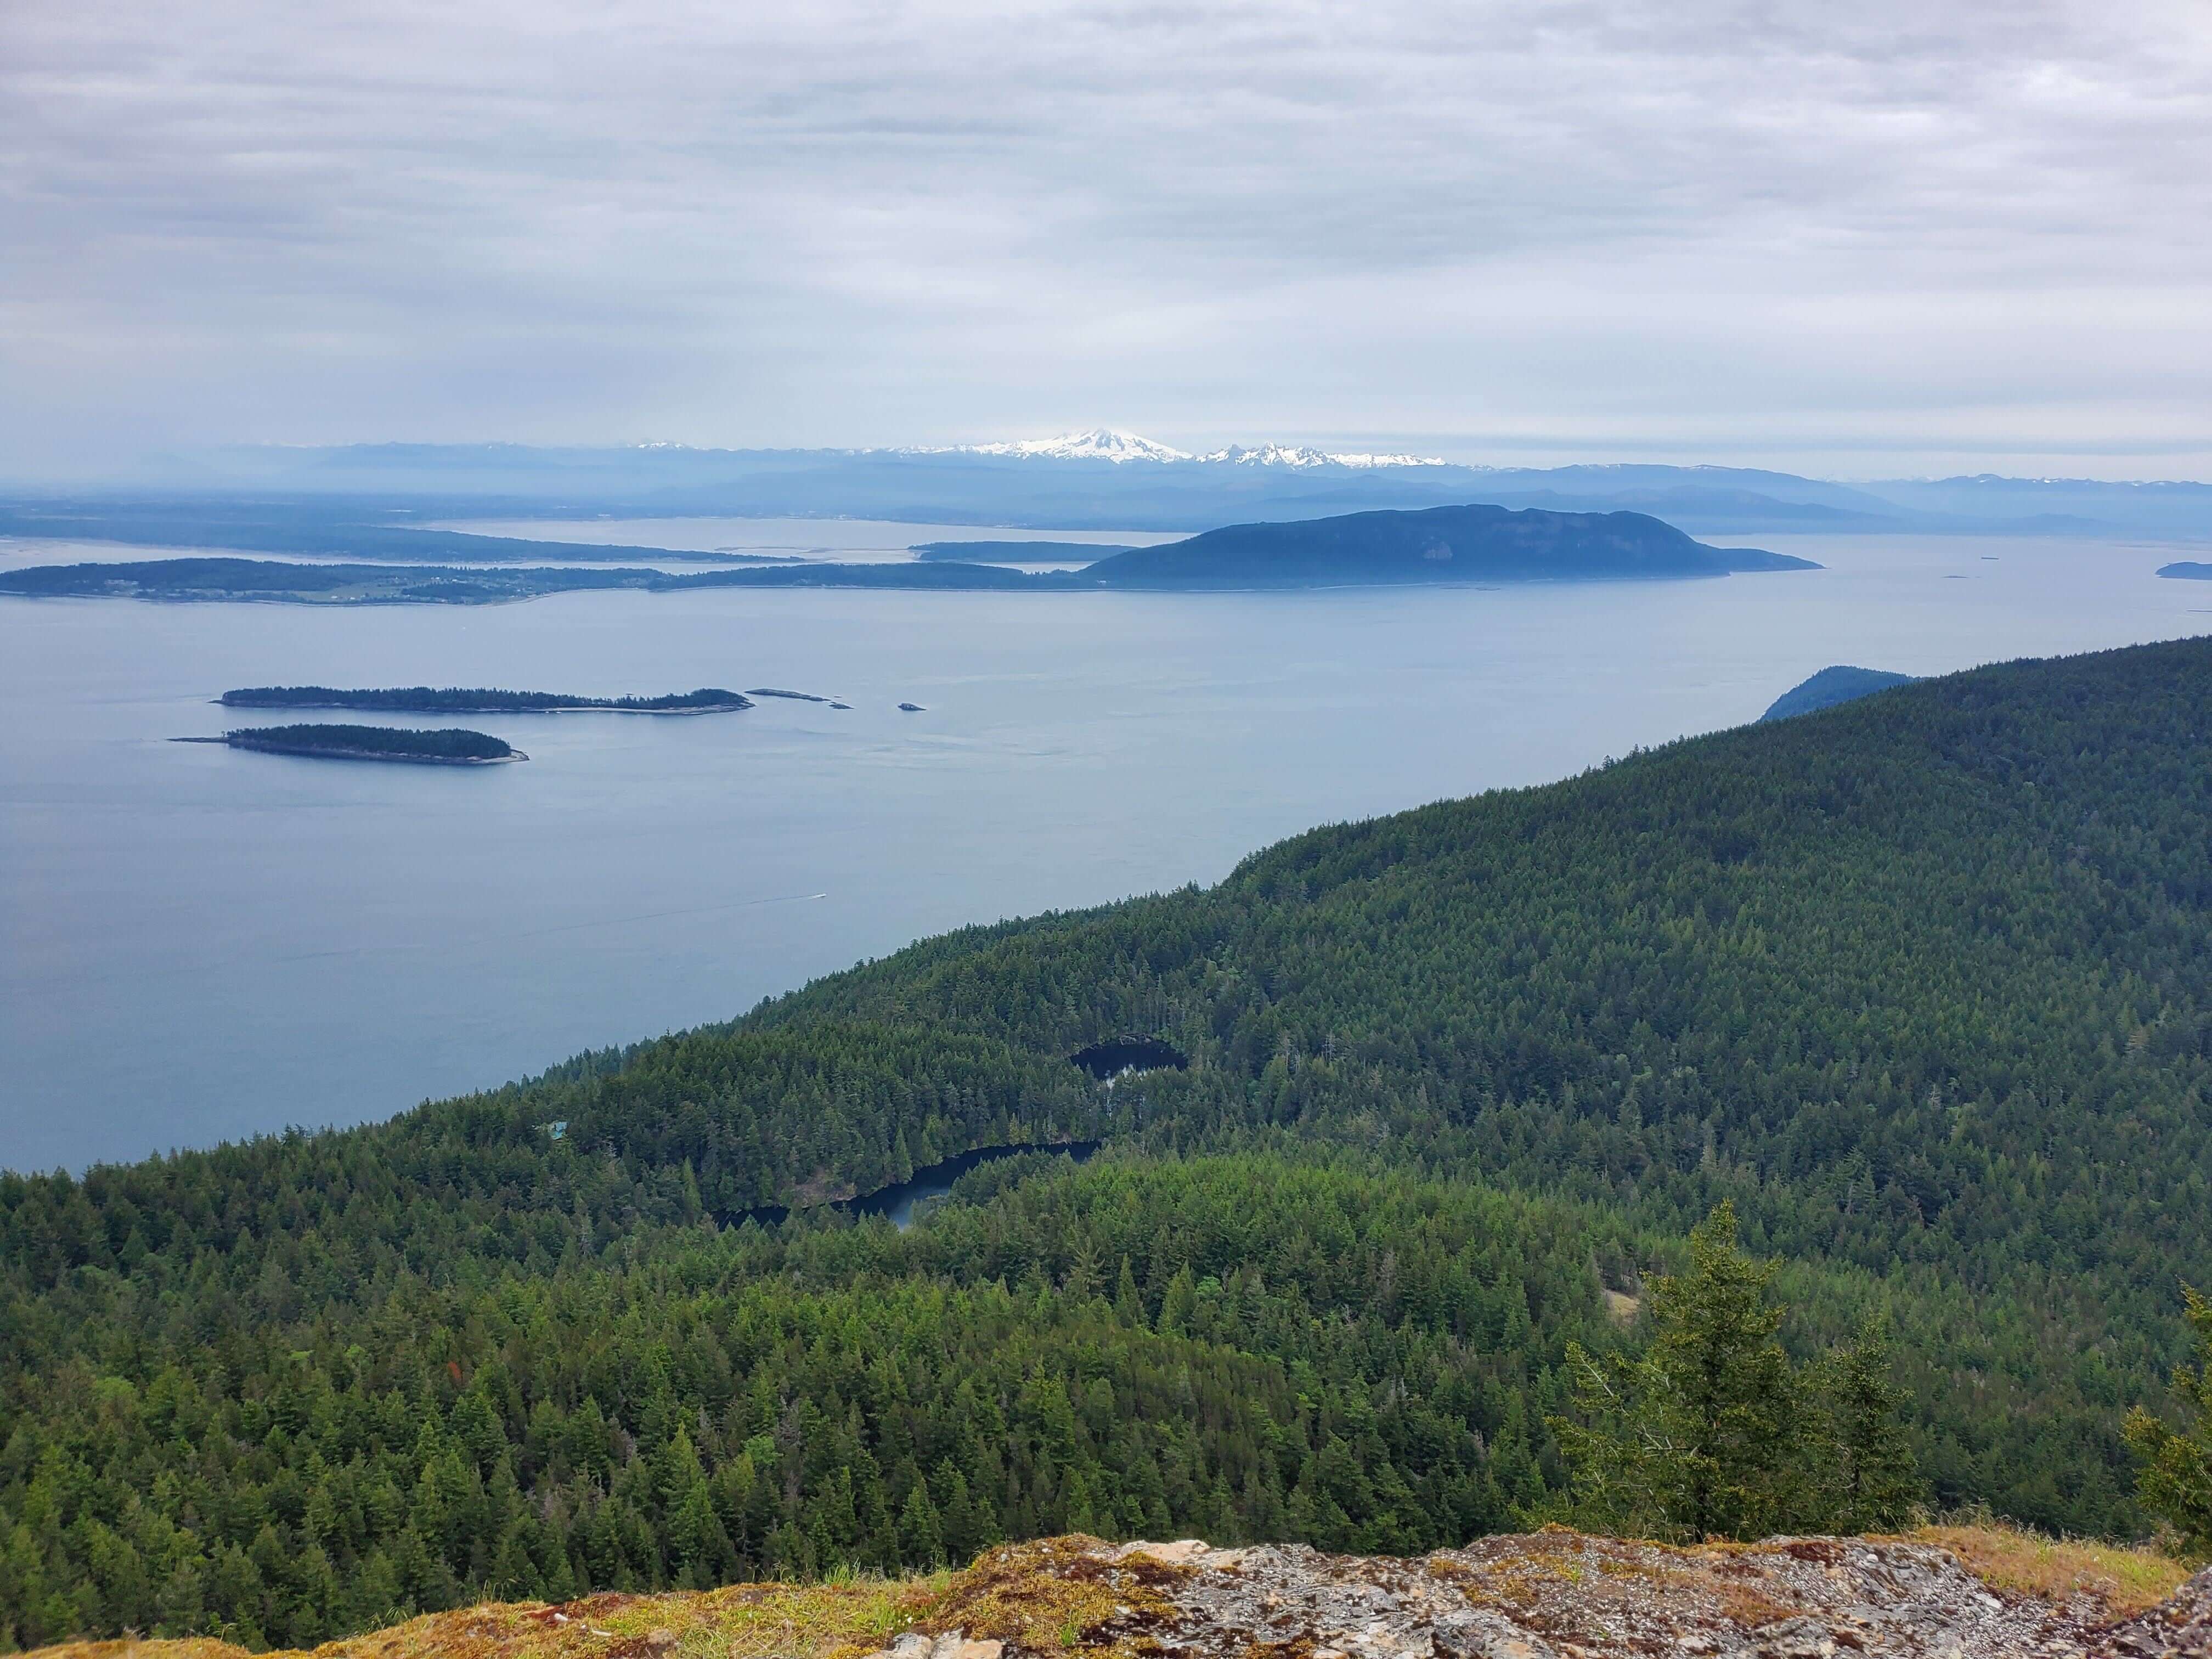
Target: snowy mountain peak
{"points": [[1301, 455], [1107, 443], [1100, 444], [1269, 455], [1390, 460]]}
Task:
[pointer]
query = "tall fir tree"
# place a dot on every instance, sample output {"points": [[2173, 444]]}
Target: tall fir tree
{"points": [[2174, 1481], [1712, 1432], [1873, 1479]]}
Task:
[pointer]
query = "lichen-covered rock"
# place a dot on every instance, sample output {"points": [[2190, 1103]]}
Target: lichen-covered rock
{"points": [[1554, 1594], [952, 1644], [2180, 1626]]}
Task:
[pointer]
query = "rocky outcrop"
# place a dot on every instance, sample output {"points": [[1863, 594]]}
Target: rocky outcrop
{"points": [[2181, 1626], [1950, 1593], [1556, 1594]]}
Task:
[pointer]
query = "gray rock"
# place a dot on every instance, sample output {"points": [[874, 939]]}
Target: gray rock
{"points": [[1557, 1595]]}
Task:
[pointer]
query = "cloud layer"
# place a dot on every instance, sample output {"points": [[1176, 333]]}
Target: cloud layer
{"points": [[1855, 237]]}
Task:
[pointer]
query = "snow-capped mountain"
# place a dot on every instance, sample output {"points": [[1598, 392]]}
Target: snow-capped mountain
{"points": [[1269, 455], [1100, 444], [1112, 444], [1399, 461]]}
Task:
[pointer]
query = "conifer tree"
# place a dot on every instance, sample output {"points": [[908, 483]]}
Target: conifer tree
{"points": [[1696, 1438], [2175, 1480], [1874, 1480]]}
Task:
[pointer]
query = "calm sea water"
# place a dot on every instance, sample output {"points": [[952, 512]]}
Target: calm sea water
{"points": [[198, 944]]}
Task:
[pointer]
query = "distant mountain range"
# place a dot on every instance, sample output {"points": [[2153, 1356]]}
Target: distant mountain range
{"points": [[1111, 444], [1108, 479]]}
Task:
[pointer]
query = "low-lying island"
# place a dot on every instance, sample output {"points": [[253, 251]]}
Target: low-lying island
{"points": [[481, 700], [437, 746]]}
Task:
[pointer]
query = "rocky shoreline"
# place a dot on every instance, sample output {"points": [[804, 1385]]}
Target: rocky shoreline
{"points": [[332, 751]]}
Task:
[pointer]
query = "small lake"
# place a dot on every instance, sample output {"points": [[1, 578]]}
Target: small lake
{"points": [[905, 1202], [199, 943]]}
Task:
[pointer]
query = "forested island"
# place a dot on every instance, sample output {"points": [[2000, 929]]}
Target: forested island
{"points": [[1839, 683], [1914, 984], [272, 581], [275, 580], [433, 746], [1436, 544], [423, 699], [1443, 545]]}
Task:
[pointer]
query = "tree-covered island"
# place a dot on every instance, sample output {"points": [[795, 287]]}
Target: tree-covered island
{"points": [[454, 700], [437, 746]]}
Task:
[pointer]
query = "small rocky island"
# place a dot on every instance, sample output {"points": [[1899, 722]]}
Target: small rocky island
{"points": [[437, 746], [453, 700]]}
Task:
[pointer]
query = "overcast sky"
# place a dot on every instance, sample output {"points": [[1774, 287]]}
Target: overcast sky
{"points": [[1881, 236]]}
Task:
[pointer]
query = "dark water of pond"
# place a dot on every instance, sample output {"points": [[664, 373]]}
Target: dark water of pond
{"points": [[902, 1202]]}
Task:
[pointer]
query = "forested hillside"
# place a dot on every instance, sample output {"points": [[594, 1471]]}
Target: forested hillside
{"points": [[1921, 983]]}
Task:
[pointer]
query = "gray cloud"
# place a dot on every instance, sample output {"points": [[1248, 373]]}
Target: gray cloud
{"points": [[1851, 236]]}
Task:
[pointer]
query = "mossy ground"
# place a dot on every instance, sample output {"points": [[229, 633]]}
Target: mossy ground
{"points": [[1060, 1593]]}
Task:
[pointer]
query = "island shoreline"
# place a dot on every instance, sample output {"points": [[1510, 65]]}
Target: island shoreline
{"points": [[388, 757]]}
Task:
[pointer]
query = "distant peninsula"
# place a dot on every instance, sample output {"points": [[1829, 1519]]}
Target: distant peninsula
{"points": [[437, 746], [1839, 683], [423, 699], [1437, 545], [1013, 552], [2187, 570], [275, 580], [318, 530]]}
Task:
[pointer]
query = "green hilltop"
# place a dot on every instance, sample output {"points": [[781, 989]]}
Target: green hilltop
{"points": [[1839, 683]]}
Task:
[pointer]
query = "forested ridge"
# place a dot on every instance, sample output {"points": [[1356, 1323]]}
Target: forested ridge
{"points": [[1920, 984]]}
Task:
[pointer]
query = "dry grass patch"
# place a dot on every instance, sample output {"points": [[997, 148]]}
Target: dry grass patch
{"points": [[743, 1621], [197, 1647], [2128, 1581]]}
